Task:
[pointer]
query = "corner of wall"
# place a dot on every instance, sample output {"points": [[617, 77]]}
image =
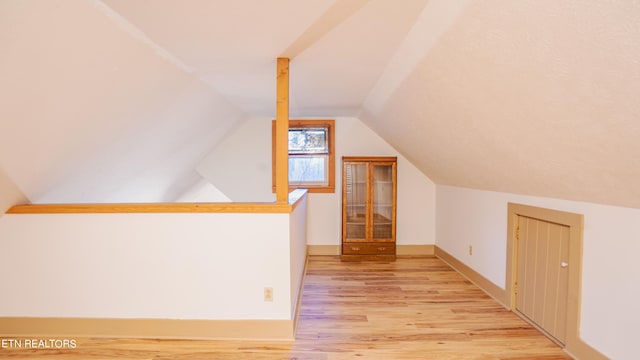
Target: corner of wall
{"points": [[10, 194]]}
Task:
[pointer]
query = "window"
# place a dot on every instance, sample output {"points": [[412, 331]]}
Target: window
{"points": [[311, 155]]}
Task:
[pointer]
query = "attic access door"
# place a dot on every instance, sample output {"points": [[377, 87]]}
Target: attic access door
{"points": [[542, 274]]}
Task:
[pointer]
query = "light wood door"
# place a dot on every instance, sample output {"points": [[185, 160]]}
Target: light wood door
{"points": [[542, 274]]}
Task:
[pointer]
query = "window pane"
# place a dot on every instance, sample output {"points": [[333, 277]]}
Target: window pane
{"points": [[308, 170], [308, 141]]}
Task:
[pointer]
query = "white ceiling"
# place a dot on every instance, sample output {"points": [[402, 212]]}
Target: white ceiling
{"points": [[534, 97], [232, 45]]}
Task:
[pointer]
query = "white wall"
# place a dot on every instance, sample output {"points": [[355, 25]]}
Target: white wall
{"points": [[611, 273], [203, 191], [91, 110], [298, 254], [240, 164], [167, 266], [246, 158], [416, 192], [10, 194]]}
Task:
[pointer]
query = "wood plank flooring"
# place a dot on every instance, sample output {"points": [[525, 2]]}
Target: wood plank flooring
{"points": [[413, 308]]}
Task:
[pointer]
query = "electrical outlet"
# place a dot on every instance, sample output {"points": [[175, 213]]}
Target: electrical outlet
{"points": [[470, 249], [268, 294]]}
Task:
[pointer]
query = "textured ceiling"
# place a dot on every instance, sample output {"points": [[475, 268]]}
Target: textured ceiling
{"points": [[531, 97], [535, 97]]}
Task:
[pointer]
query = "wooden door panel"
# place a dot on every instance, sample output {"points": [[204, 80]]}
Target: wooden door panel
{"points": [[542, 281]]}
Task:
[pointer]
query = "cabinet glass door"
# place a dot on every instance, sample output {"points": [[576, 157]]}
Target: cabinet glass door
{"points": [[382, 225], [356, 200]]}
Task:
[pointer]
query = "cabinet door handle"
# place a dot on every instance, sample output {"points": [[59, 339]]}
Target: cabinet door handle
{"points": [[382, 248], [355, 248]]}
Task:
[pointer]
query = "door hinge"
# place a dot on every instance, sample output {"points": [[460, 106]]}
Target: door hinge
{"points": [[518, 232], [515, 288]]}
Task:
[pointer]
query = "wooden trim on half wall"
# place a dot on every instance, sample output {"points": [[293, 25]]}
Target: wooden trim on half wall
{"points": [[224, 207], [231, 207]]}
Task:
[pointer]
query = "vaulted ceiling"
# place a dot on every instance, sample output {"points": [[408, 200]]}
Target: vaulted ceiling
{"points": [[100, 99]]}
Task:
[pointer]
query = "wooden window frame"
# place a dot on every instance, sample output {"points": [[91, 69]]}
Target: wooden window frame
{"points": [[330, 125]]}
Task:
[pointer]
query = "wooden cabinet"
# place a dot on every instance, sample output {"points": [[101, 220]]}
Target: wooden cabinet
{"points": [[368, 208]]}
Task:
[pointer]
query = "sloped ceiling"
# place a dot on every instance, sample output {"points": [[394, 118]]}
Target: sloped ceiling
{"points": [[232, 45], [529, 96], [93, 111]]}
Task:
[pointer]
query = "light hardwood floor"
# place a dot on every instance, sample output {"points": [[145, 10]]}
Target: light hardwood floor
{"points": [[413, 308]]}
